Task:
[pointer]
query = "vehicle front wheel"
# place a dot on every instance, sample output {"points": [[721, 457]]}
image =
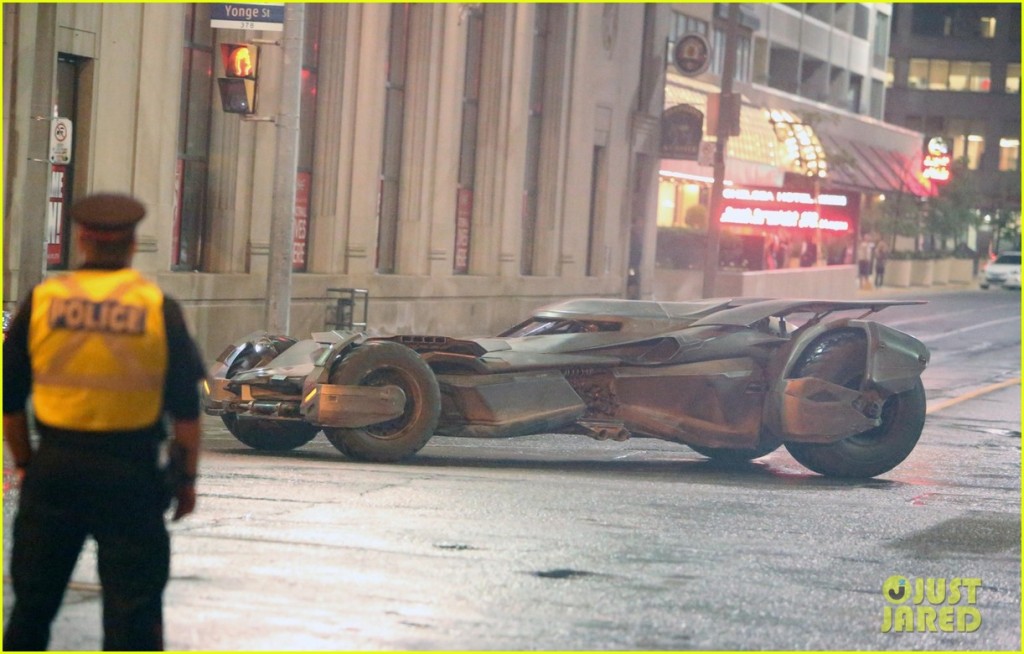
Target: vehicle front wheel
{"points": [[269, 435], [840, 357], [734, 456], [388, 364]]}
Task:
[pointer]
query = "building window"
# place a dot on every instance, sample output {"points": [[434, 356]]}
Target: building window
{"points": [[394, 116], [534, 124], [190, 217], [1009, 154], [861, 15], [307, 131], [821, 11], [1012, 84], [968, 140], [877, 99], [468, 140], [880, 45], [688, 25], [938, 75], [988, 27], [743, 58], [917, 77], [890, 75], [598, 182], [945, 75], [981, 77]]}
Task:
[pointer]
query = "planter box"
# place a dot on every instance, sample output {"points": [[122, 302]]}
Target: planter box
{"points": [[921, 272], [940, 271], [961, 271], [897, 273]]}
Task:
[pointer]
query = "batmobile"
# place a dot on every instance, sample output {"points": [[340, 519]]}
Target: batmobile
{"points": [[731, 378]]}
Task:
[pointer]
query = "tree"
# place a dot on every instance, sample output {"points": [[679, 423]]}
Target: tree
{"points": [[954, 210]]}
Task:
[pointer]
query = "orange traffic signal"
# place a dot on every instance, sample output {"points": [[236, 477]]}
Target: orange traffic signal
{"points": [[238, 86], [239, 60]]}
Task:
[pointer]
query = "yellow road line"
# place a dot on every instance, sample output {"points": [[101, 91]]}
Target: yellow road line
{"points": [[978, 392]]}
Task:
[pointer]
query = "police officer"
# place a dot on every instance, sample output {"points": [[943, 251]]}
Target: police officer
{"points": [[105, 356]]}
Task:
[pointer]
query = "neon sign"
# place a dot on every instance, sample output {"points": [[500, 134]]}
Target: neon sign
{"points": [[778, 208], [937, 160]]}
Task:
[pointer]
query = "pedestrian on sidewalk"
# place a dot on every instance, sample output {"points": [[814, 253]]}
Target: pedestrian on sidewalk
{"points": [[881, 257], [864, 262]]}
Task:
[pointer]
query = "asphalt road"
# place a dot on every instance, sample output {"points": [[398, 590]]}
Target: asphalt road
{"points": [[558, 542]]}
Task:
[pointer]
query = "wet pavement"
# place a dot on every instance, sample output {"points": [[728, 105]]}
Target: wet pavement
{"points": [[557, 542]]}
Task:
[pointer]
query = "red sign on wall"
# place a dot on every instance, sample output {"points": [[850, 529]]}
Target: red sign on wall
{"points": [[303, 181], [55, 216], [463, 224]]}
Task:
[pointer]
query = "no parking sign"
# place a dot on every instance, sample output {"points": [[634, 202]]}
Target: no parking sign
{"points": [[60, 141]]}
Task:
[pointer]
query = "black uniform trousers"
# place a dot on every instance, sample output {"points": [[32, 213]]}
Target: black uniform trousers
{"points": [[109, 488]]}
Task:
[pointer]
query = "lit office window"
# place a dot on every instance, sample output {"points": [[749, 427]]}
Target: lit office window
{"points": [[981, 76], [988, 27], [944, 75], [917, 78], [938, 75], [959, 75], [1012, 84], [889, 72], [1009, 154], [969, 146]]}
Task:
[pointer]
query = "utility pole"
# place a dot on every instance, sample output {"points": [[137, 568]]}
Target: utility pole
{"points": [[286, 163], [725, 108]]}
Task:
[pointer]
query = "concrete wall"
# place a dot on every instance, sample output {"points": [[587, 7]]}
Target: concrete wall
{"points": [[831, 282]]}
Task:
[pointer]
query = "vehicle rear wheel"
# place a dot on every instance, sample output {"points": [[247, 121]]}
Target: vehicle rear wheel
{"points": [[840, 357], [269, 435], [388, 364]]}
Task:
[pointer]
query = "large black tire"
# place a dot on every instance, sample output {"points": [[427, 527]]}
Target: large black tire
{"points": [[382, 364], [840, 357], [268, 434], [734, 456]]}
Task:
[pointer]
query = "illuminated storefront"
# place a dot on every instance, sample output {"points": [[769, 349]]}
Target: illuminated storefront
{"points": [[797, 177]]}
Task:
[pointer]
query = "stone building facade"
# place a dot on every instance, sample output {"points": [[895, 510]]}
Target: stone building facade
{"points": [[461, 162]]}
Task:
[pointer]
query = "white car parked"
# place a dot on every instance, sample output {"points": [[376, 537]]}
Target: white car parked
{"points": [[1006, 268]]}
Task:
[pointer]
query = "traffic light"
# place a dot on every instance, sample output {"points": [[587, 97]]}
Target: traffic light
{"points": [[238, 86]]}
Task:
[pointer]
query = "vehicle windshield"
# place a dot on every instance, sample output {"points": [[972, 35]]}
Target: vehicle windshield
{"points": [[1013, 259], [301, 353], [538, 326]]}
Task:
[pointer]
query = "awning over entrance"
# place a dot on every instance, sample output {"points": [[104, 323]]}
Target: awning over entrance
{"points": [[857, 165], [861, 153]]}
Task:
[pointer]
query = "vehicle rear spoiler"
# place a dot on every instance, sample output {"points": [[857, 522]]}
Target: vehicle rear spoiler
{"points": [[748, 314]]}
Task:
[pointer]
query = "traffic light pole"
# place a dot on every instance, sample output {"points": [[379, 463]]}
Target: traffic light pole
{"points": [[725, 113], [286, 163]]}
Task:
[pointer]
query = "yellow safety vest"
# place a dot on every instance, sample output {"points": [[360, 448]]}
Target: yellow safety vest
{"points": [[98, 346]]}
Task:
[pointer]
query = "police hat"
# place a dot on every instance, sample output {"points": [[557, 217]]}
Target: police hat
{"points": [[108, 213]]}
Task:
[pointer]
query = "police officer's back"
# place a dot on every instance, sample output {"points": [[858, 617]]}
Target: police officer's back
{"points": [[105, 356]]}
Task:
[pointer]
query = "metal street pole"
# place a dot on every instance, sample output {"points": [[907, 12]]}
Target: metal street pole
{"points": [[286, 163], [725, 109]]}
